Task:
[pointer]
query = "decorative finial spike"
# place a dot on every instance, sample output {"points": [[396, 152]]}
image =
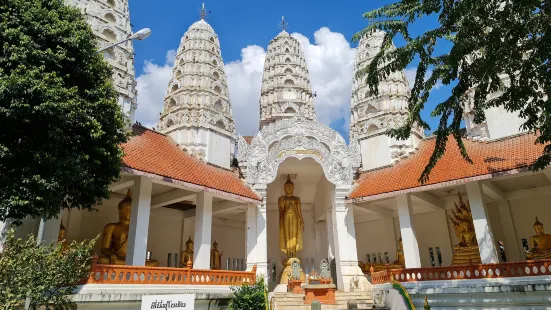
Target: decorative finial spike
{"points": [[283, 25], [203, 12]]}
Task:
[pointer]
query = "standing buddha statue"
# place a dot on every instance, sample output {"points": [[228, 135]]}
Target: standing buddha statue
{"points": [[540, 243], [187, 255], [61, 238], [114, 239], [215, 257], [291, 226]]}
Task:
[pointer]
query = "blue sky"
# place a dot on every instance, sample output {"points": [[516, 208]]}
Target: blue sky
{"points": [[244, 29]]}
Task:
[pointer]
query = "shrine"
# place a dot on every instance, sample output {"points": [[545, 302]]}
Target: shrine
{"points": [[199, 208]]}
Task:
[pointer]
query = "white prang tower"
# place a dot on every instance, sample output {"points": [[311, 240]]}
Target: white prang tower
{"points": [[110, 21], [197, 111], [286, 86], [372, 116]]}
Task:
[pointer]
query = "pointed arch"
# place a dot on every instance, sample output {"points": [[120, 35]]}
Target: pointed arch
{"points": [[289, 110], [111, 3], [109, 34], [289, 82], [288, 60], [217, 90], [372, 128], [218, 105], [216, 76], [287, 50], [174, 88], [110, 17], [171, 103], [288, 71]]}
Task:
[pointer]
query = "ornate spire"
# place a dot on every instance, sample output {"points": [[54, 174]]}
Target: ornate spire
{"points": [[197, 99], [286, 89]]}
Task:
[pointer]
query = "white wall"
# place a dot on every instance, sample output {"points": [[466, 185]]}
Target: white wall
{"points": [[375, 152], [219, 150], [502, 123], [371, 238]]}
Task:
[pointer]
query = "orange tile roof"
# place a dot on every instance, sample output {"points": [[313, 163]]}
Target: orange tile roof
{"points": [[248, 139], [488, 158], [155, 153]]}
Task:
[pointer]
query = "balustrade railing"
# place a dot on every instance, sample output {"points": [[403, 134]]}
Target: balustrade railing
{"points": [[114, 274], [463, 272]]}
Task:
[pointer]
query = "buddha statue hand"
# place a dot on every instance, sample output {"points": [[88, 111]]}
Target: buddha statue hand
{"points": [[113, 258]]}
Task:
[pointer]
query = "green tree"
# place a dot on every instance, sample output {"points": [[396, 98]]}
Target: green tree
{"points": [[43, 274], [61, 125], [490, 39], [249, 296]]}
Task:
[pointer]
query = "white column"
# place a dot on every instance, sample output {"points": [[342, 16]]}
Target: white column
{"points": [[346, 253], [139, 222], [250, 236], [482, 227], [390, 233], [262, 237], [513, 246], [203, 231], [407, 229]]}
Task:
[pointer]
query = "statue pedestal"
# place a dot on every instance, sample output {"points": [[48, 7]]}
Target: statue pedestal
{"points": [[324, 293], [295, 287], [289, 271], [466, 255]]}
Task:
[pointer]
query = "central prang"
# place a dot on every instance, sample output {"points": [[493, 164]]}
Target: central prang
{"points": [[291, 226]]}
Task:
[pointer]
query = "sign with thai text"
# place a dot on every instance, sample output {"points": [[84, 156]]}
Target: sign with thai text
{"points": [[167, 302]]}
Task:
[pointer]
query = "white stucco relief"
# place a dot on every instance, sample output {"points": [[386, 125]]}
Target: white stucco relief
{"points": [[300, 138]]}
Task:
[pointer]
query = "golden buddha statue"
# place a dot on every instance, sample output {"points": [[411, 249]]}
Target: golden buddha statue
{"points": [[466, 251], [215, 257], [114, 238], [400, 261], [187, 255], [291, 226], [540, 244], [61, 238]]}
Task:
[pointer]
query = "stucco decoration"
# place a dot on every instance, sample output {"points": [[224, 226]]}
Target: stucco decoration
{"points": [[300, 138]]}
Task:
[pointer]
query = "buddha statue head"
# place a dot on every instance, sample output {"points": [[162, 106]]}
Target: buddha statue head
{"points": [[125, 206], [215, 245], [289, 187], [400, 243], [189, 244], [538, 227]]}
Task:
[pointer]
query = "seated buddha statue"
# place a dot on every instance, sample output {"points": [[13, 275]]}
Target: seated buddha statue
{"points": [[187, 255], [466, 251], [114, 239], [540, 243], [399, 263]]}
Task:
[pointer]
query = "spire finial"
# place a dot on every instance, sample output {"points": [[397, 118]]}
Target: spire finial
{"points": [[203, 12], [283, 25]]}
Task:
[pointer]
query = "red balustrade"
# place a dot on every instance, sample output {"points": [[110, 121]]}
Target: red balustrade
{"points": [[114, 274], [463, 272]]}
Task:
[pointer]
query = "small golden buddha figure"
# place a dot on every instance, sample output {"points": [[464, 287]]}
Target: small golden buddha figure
{"points": [[466, 251], [540, 244], [61, 238], [114, 238], [291, 226], [400, 261], [215, 257], [187, 255]]}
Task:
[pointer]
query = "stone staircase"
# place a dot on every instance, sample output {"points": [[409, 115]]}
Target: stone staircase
{"points": [[290, 301]]}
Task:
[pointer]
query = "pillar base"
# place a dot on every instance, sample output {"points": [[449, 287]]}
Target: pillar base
{"points": [[353, 278]]}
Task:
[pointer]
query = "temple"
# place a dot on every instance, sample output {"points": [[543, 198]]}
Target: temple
{"points": [[315, 216]]}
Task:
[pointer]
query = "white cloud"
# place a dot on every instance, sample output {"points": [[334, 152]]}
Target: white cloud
{"points": [[330, 61], [152, 84], [331, 64], [410, 75], [244, 81]]}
